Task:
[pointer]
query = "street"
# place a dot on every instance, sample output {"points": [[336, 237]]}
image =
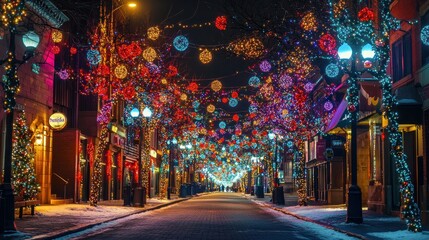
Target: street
{"points": [[213, 216]]}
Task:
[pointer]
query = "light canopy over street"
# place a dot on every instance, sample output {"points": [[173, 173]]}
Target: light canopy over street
{"points": [[143, 103]]}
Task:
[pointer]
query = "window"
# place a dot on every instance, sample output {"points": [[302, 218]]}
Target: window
{"points": [[402, 57]]}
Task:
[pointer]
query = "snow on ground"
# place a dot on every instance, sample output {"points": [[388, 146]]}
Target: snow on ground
{"points": [[319, 232], [402, 234], [82, 210]]}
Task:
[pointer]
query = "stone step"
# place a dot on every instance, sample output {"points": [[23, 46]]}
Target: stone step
{"points": [[61, 201]]}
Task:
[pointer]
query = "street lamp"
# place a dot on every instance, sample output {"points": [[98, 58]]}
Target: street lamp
{"points": [[11, 85], [170, 165], [346, 53]]}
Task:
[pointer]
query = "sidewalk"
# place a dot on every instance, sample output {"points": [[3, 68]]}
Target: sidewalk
{"points": [[374, 226], [52, 221]]}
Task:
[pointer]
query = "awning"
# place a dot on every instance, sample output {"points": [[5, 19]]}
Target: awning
{"points": [[409, 105], [408, 95]]}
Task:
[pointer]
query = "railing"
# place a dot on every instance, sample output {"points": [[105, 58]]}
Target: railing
{"points": [[65, 184]]}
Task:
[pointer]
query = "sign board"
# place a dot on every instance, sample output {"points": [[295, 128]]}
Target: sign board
{"points": [[57, 121]]}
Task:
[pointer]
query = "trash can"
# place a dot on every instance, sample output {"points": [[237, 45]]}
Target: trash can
{"points": [[188, 190], [139, 196], [127, 196], [280, 197], [260, 192], [183, 191]]}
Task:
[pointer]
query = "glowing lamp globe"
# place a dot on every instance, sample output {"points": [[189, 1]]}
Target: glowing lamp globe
{"points": [[271, 136], [31, 40], [174, 141], [368, 52], [134, 112], [147, 113], [345, 51]]}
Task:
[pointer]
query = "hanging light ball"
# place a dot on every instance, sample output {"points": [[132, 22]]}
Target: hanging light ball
{"points": [[233, 102], [56, 36], [153, 33], [205, 56], [308, 87], [235, 117], [254, 81], [211, 108], [285, 113], [163, 98], [424, 35], [73, 50], [289, 143], [63, 74], [221, 22], [195, 104], [164, 81], [183, 97], [285, 81], [149, 54], [93, 56], [332, 70], [253, 109], [180, 43], [367, 64], [265, 66], [216, 85], [222, 125], [121, 71], [328, 106], [55, 49]]}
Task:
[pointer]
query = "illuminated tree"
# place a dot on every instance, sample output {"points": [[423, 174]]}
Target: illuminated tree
{"points": [[23, 168]]}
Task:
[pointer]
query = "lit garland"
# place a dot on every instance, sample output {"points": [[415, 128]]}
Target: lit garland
{"points": [[249, 48], [11, 15]]}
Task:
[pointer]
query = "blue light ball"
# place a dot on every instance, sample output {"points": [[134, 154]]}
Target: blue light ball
{"points": [[222, 125], [181, 43], [93, 56], [233, 102], [254, 81]]}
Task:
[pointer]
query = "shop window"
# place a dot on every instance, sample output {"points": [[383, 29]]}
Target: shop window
{"points": [[425, 48], [402, 57]]}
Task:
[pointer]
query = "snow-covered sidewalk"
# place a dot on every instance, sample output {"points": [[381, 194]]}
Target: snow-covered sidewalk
{"points": [[54, 220], [374, 226]]}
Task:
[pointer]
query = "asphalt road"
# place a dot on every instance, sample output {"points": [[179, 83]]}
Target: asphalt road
{"points": [[213, 216]]}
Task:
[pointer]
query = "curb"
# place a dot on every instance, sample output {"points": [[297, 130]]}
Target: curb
{"points": [[352, 234], [84, 227]]}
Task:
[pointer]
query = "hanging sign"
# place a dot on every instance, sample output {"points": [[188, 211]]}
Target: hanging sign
{"points": [[57, 121]]}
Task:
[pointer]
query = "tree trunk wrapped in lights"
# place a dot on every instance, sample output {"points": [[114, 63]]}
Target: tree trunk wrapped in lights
{"points": [[299, 175], [96, 178], [410, 209]]}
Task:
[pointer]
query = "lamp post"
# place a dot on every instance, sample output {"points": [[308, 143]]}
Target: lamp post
{"points": [[147, 114], [170, 166], [11, 85], [135, 113], [347, 52]]}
